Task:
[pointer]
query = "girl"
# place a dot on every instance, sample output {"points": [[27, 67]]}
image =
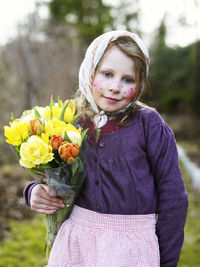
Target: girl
{"points": [[132, 209]]}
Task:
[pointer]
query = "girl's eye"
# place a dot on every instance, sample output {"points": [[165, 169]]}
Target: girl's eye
{"points": [[107, 74], [128, 80]]}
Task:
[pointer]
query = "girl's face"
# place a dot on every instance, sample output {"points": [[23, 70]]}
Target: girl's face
{"points": [[114, 84]]}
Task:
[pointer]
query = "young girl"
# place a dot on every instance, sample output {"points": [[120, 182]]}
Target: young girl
{"points": [[132, 209]]}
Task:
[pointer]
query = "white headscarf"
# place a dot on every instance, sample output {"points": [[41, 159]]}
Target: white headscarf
{"points": [[93, 55]]}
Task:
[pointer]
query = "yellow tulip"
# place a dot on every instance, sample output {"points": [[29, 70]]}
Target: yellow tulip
{"points": [[70, 111], [54, 126], [45, 138], [16, 133], [26, 113], [58, 127], [35, 152], [71, 127], [69, 114], [55, 113]]}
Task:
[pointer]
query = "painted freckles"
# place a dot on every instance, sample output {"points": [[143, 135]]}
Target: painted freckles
{"points": [[114, 84], [128, 94], [97, 86]]}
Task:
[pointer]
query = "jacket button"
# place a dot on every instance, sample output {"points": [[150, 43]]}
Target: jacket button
{"points": [[101, 144], [98, 207], [97, 182]]}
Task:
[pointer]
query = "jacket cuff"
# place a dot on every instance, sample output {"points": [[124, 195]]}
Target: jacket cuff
{"points": [[27, 192]]}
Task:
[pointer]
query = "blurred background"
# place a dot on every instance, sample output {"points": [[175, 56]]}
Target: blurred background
{"points": [[42, 44]]}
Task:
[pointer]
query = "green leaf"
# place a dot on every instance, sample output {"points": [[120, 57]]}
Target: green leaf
{"points": [[12, 117], [18, 150], [37, 114], [75, 166], [66, 138], [59, 102], [83, 135], [51, 107], [75, 118], [62, 113], [52, 102], [44, 166]]}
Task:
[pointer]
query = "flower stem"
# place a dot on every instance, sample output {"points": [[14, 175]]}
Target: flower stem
{"points": [[47, 252]]}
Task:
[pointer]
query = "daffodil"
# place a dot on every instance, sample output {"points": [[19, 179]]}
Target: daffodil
{"points": [[16, 133], [35, 152]]}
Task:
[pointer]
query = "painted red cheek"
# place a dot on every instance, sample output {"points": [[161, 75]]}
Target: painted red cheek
{"points": [[130, 93]]}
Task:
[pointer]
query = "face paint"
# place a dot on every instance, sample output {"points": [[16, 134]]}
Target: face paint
{"points": [[130, 93], [97, 86], [114, 84], [95, 54]]}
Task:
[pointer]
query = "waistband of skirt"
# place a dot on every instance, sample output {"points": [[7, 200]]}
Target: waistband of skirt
{"points": [[118, 222]]}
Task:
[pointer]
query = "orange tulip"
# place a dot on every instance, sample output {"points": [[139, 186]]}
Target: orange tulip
{"points": [[56, 141], [36, 126], [68, 152]]}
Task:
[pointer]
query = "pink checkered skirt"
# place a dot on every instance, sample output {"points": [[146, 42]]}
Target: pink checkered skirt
{"points": [[91, 239]]}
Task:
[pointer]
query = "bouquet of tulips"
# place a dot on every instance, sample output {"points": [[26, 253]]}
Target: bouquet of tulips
{"points": [[49, 143]]}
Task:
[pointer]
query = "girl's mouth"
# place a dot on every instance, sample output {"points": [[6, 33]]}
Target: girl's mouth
{"points": [[110, 99]]}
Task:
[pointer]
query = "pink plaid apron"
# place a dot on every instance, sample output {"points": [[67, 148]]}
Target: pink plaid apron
{"points": [[91, 239]]}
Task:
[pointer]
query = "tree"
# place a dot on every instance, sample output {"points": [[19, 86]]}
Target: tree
{"points": [[171, 75], [126, 16], [88, 17]]}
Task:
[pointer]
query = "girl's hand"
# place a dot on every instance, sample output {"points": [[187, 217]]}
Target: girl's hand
{"points": [[42, 202]]}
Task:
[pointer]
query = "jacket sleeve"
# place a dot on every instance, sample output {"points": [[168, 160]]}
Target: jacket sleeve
{"points": [[172, 198], [27, 192]]}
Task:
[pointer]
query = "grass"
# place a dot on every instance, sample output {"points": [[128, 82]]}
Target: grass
{"points": [[24, 245], [191, 248]]}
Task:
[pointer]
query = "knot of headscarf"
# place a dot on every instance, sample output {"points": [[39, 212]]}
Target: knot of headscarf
{"points": [[93, 55]]}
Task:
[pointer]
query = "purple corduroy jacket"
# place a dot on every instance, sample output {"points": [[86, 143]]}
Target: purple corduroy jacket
{"points": [[135, 170]]}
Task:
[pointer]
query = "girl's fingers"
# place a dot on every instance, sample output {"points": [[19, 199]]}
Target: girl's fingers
{"points": [[45, 193], [40, 196], [44, 208], [42, 211], [47, 205]]}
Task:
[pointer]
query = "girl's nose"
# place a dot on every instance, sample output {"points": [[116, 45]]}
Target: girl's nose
{"points": [[115, 86]]}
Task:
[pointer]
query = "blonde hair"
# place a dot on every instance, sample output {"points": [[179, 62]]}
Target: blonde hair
{"points": [[132, 50]]}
